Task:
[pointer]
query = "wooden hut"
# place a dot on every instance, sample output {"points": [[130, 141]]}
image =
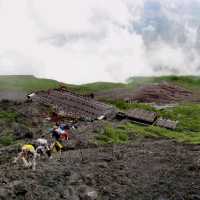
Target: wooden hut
{"points": [[166, 123], [74, 104], [142, 116]]}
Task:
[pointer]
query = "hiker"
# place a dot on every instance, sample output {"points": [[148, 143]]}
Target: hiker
{"points": [[60, 133], [64, 134], [28, 151], [43, 147], [55, 133], [57, 146]]}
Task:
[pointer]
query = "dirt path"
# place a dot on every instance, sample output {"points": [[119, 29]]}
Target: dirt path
{"points": [[160, 170]]}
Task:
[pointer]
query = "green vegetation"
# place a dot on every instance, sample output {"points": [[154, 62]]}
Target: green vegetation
{"points": [[6, 140], [122, 105], [113, 136], [188, 116], [8, 116], [188, 129], [25, 83], [157, 132], [137, 81], [122, 134], [31, 83], [189, 82], [96, 87]]}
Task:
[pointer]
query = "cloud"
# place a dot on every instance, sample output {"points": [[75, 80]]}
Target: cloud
{"points": [[14, 63], [83, 41]]}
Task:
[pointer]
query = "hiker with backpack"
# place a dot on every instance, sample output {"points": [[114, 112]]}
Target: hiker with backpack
{"points": [[28, 155], [43, 147]]}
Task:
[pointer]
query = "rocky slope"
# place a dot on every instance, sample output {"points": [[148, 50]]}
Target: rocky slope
{"points": [[160, 170]]}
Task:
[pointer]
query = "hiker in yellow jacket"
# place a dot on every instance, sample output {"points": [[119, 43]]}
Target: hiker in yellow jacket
{"points": [[57, 146], [27, 153]]}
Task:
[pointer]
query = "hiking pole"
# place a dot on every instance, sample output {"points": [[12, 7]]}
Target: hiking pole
{"points": [[70, 158], [81, 153]]}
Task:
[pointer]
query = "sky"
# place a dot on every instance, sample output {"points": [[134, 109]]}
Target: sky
{"points": [[76, 41]]}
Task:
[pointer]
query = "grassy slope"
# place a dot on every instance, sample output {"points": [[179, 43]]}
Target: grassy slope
{"points": [[25, 83], [189, 82], [188, 129], [122, 134], [96, 87], [31, 83]]}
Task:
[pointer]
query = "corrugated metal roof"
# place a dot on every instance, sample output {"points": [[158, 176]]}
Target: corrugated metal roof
{"points": [[142, 115], [166, 123], [74, 104]]}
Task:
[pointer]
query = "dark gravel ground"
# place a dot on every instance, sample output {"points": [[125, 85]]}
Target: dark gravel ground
{"points": [[148, 169]]}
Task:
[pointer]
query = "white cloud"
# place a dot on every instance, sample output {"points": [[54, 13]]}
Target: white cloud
{"points": [[15, 63], [79, 41]]}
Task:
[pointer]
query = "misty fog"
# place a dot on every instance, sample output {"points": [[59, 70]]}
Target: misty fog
{"points": [[84, 41]]}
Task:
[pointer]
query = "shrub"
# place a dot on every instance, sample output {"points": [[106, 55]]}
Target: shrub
{"points": [[6, 140], [113, 136], [187, 115], [8, 116]]}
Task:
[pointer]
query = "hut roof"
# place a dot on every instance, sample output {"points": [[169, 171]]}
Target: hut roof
{"points": [[74, 104], [166, 123], [142, 115]]}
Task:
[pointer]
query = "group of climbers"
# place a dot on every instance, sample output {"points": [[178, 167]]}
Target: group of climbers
{"points": [[30, 152]]}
